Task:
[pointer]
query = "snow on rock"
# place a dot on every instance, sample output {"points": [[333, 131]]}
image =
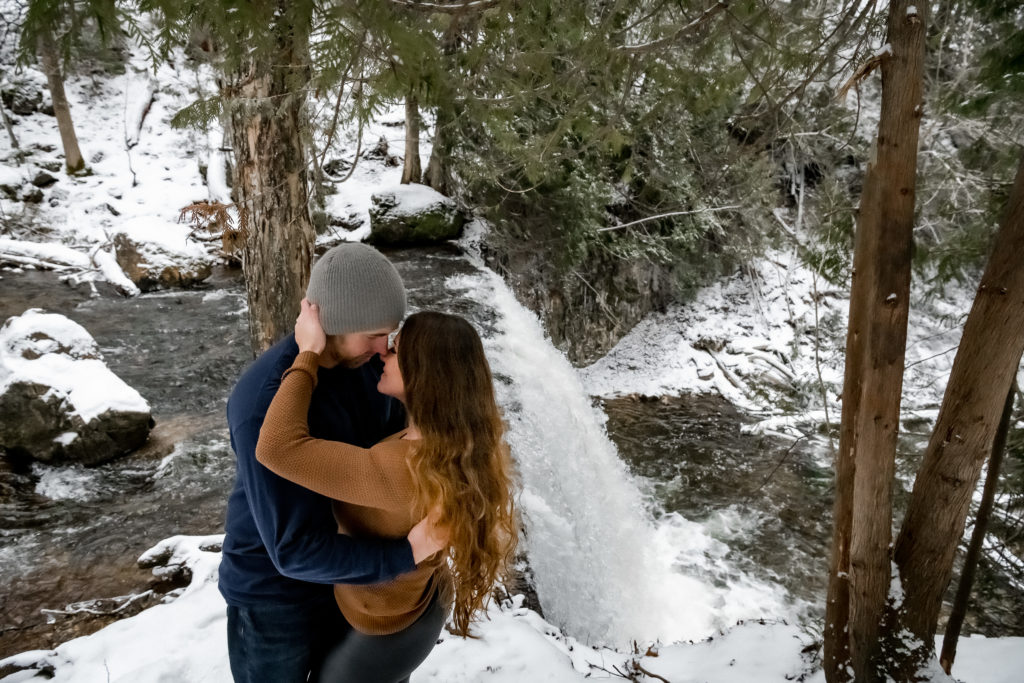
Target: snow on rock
{"points": [[413, 214], [148, 265], [59, 400]]}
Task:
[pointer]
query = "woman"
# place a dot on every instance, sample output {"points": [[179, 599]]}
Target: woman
{"points": [[450, 459]]}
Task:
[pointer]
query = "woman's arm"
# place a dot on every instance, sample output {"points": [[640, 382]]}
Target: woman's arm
{"points": [[338, 470]]}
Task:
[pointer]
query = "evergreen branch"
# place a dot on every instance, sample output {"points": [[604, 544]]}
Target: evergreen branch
{"points": [[683, 32], [448, 8], [668, 215]]}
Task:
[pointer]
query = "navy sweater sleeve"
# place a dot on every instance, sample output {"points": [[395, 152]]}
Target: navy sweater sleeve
{"points": [[298, 530]]}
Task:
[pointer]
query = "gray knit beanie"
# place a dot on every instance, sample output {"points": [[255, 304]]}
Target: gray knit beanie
{"points": [[357, 289]]}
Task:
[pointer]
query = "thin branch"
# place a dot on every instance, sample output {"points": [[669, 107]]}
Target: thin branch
{"points": [[446, 8], [668, 215], [683, 32]]}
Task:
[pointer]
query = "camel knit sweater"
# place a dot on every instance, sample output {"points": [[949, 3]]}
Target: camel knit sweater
{"points": [[373, 490]]}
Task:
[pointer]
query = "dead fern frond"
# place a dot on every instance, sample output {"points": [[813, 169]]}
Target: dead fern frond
{"points": [[215, 218]]}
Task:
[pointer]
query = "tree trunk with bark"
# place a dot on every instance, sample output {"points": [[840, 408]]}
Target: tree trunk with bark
{"points": [[985, 366], [988, 497], [268, 96], [51, 67], [437, 175], [411, 170], [859, 571]]}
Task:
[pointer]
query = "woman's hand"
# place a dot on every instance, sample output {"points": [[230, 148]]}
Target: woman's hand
{"points": [[428, 536], [309, 335]]}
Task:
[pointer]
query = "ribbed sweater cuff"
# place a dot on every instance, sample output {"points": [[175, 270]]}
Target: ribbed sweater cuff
{"points": [[308, 362]]}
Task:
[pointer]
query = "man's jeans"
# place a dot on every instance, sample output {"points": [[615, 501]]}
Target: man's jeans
{"points": [[280, 643]]}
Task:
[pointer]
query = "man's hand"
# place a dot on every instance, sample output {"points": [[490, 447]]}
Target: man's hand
{"points": [[309, 335], [428, 537]]}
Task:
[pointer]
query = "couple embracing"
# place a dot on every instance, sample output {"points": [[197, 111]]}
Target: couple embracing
{"points": [[369, 459]]}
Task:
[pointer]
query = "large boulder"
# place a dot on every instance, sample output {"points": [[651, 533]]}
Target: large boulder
{"points": [[413, 214], [59, 401], [151, 266]]}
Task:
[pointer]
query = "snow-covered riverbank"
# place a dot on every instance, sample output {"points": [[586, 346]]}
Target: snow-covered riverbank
{"points": [[184, 640]]}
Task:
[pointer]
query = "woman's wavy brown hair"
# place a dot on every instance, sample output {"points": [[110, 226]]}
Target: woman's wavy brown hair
{"points": [[462, 462]]}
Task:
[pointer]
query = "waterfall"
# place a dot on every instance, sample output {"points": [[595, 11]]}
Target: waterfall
{"points": [[606, 567]]}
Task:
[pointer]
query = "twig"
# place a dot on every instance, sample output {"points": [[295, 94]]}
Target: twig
{"points": [[666, 215], [774, 469], [445, 8], [682, 32], [645, 672]]}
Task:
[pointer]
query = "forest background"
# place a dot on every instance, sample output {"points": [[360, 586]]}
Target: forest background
{"points": [[623, 153]]}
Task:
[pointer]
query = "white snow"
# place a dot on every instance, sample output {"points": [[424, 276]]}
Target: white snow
{"points": [[184, 640], [756, 336], [78, 376], [413, 199], [49, 252]]}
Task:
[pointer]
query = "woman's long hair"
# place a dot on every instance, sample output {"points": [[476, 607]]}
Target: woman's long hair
{"points": [[462, 462]]}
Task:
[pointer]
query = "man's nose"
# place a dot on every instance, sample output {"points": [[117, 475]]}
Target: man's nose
{"points": [[380, 345]]}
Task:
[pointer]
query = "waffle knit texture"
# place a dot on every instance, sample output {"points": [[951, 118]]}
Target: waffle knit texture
{"points": [[357, 290], [373, 490]]}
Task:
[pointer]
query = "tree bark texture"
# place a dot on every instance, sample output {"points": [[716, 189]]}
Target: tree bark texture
{"points": [[985, 366], [268, 96], [411, 170], [859, 569], [988, 496], [437, 174], [51, 67]]}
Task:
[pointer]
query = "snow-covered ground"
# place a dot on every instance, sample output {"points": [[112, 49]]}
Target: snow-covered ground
{"points": [[770, 339], [183, 640]]}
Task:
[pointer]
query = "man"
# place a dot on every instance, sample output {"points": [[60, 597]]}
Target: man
{"points": [[281, 548]]}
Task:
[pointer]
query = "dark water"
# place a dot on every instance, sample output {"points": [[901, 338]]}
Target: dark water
{"points": [[697, 462]]}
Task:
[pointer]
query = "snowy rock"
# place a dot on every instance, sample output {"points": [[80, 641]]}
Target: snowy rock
{"points": [[413, 214], [59, 400], [150, 267], [22, 98]]}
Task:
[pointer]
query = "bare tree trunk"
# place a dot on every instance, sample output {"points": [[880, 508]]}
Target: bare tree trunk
{"points": [[437, 175], [875, 347], [983, 371], [270, 182], [9, 127], [51, 67], [963, 590], [412, 170]]}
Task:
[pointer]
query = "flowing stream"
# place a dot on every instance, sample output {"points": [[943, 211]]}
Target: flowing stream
{"points": [[643, 520]]}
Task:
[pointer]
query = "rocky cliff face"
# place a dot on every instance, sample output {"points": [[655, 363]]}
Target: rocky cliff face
{"points": [[588, 308]]}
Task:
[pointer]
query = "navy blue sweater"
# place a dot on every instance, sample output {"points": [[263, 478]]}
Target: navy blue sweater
{"points": [[281, 543]]}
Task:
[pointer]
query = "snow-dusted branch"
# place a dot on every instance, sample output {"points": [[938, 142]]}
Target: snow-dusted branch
{"points": [[682, 32], [670, 214], [448, 8]]}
